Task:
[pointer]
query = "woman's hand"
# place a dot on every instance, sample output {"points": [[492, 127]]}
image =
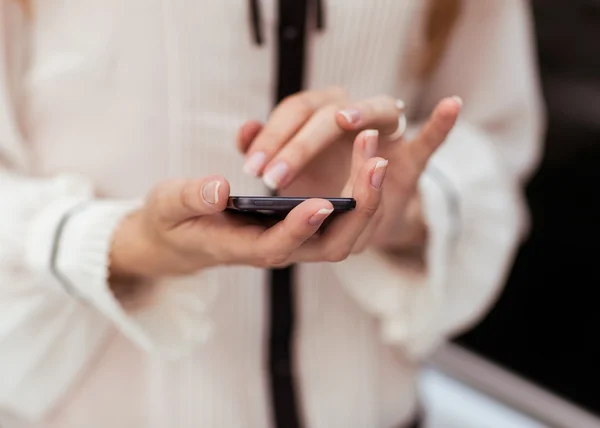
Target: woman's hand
{"points": [[306, 145], [304, 149], [402, 225], [183, 228]]}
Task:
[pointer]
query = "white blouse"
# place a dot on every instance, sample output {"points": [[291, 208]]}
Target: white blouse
{"points": [[101, 99]]}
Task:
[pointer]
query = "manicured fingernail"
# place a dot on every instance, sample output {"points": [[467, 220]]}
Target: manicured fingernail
{"points": [[371, 142], [275, 175], [458, 100], [400, 105], [254, 163], [319, 217], [351, 115], [379, 174], [210, 192]]}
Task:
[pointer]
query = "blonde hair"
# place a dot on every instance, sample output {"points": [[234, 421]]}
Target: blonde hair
{"points": [[441, 18]]}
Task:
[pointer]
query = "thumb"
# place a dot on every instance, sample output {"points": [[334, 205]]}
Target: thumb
{"points": [[175, 201]]}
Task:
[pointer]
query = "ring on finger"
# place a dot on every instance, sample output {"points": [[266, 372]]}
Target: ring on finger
{"points": [[402, 126]]}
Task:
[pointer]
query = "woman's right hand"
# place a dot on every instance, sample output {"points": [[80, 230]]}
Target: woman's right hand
{"points": [[182, 228]]}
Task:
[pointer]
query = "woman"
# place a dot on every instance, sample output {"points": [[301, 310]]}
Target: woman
{"points": [[117, 310]]}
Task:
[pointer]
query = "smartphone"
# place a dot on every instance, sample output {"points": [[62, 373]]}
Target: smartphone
{"points": [[281, 205]]}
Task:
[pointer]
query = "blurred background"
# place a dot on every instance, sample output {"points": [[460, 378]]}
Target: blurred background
{"points": [[534, 360]]}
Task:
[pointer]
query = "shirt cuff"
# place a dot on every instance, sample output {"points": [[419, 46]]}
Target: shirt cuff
{"points": [[475, 216], [404, 295], [71, 241]]}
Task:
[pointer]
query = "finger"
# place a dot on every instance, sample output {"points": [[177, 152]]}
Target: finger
{"points": [[381, 113], [434, 133], [287, 118], [364, 148], [276, 244], [359, 157], [317, 134], [366, 237], [176, 201], [338, 240], [246, 134]]}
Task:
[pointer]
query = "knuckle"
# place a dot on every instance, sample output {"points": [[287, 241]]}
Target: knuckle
{"points": [[159, 197], [274, 260], [370, 209], [298, 236], [161, 191], [187, 197]]}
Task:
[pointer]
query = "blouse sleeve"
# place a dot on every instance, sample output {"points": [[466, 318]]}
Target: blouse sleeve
{"points": [[472, 189], [56, 307]]}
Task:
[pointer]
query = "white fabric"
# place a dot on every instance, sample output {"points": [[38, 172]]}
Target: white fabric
{"points": [[101, 100]]}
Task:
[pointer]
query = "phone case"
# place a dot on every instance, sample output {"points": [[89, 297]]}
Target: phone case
{"points": [[280, 204]]}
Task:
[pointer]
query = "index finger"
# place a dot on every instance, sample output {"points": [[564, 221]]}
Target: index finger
{"points": [[434, 132], [338, 240], [276, 244], [285, 121]]}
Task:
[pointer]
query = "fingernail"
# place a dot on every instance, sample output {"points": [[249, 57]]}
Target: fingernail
{"points": [[254, 163], [210, 192], [371, 142], [319, 217], [275, 175], [351, 115], [400, 105], [458, 100], [379, 174]]}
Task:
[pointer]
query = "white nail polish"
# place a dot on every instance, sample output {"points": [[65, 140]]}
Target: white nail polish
{"points": [[346, 116], [379, 174], [400, 105], [217, 187], [351, 115], [254, 163], [275, 175], [402, 126], [381, 164], [371, 143], [458, 100], [210, 192], [319, 217]]}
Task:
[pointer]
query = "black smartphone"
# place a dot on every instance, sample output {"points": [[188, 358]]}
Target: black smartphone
{"points": [[281, 205]]}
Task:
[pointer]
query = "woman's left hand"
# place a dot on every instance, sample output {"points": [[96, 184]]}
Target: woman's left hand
{"points": [[305, 148]]}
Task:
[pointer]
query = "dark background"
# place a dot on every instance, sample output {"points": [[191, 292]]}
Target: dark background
{"points": [[547, 322]]}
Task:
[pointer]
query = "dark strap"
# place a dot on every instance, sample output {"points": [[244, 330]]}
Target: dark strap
{"points": [[291, 60], [284, 399]]}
